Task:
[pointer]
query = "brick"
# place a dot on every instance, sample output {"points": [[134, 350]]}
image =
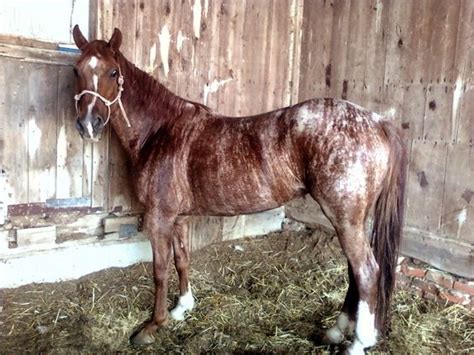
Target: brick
{"points": [[454, 298], [464, 287], [440, 279], [402, 280], [414, 272], [427, 287]]}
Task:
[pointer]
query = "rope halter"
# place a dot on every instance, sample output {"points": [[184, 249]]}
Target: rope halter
{"points": [[106, 102]]}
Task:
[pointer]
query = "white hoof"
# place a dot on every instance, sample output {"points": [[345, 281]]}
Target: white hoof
{"points": [[334, 335], [185, 304]]}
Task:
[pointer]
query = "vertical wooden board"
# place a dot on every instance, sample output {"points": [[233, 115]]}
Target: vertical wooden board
{"points": [[278, 72], [416, 43], [296, 15], [69, 161], [438, 122], [464, 67], [316, 66], [414, 104], [232, 20], [255, 47], [210, 27], [146, 35], [377, 18], [15, 125], [100, 181], [124, 15], [443, 41], [356, 51], [457, 219], [426, 185], [466, 112], [336, 76], [120, 185], [204, 231], [87, 179], [397, 32], [42, 124]]}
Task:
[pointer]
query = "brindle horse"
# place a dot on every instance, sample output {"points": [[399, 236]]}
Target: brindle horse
{"points": [[189, 160]]}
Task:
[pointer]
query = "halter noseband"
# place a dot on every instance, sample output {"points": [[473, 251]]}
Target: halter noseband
{"points": [[106, 102]]}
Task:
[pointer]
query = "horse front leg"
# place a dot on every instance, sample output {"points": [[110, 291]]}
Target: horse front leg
{"points": [[161, 236], [181, 262]]}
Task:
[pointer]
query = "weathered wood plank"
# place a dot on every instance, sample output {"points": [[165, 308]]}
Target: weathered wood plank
{"points": [[445, 254], [335, 78], [36, 55], [466, 123], [445, 17], [438, 123], [426, 185], [457, 219], [69, 160], [42, 123], [316, 50], [15, 125], [414, 105]]}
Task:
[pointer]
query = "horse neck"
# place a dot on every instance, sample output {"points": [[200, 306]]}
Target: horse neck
{"points": [[148, 104]]}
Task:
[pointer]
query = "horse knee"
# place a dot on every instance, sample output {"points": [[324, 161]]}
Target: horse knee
{"points": [[160, 275]]}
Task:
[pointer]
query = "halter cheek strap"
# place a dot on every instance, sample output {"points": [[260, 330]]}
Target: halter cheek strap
{"points": [[106, 102]]}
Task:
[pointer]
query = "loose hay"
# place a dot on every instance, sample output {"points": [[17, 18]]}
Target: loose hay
{"points": [[271, 294]]}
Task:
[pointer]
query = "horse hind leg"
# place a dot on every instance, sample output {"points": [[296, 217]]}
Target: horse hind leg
{"points": [[366, 272], [345, 323], [181, 261]]}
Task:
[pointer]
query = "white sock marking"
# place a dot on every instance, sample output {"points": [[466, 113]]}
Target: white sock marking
{"points": [[366, 333], [185, 304]]}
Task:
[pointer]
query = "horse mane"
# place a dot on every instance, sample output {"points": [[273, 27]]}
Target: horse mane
{"points": [[151, 96], [159, 107]]}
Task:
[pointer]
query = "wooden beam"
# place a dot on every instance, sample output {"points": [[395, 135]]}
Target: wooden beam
{"points": [[37, 55]]}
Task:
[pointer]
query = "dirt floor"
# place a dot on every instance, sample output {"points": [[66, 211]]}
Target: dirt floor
{"points": [[270, 294]]}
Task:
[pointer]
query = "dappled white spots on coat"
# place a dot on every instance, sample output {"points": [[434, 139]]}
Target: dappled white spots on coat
{"points": [[306, 118]]}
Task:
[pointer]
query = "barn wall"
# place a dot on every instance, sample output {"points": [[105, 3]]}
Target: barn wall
{"points": [[237, 57], [412, 61]]}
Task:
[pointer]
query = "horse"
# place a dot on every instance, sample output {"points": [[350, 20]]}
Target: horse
{"points": [[189, 160]]}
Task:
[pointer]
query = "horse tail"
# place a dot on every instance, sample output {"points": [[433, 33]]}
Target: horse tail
{"points": [[388, 223]]}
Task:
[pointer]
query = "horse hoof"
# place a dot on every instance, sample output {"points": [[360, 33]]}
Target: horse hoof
{"points": [[333, 336], [143, 337]]}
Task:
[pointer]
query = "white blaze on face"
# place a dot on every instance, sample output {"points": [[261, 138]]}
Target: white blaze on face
{"points": [[185, 304], [93, 62]]}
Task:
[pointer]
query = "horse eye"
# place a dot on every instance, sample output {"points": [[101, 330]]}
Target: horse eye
{"points": [[114, 73], [76, 73]]}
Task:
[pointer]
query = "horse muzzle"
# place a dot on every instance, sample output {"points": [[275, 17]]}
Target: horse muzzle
{"points": [[90, 128]]}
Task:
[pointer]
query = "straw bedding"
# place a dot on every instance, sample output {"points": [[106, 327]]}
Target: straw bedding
{"points": [[269, 294]]}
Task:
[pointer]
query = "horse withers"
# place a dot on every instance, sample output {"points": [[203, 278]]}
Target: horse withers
{"points": [[189, 160]]}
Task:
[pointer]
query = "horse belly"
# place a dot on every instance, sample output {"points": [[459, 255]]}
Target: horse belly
{"points": [[246, 191]]}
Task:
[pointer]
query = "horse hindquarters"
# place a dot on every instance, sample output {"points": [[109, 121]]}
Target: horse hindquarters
{"points": [[370, 271]]}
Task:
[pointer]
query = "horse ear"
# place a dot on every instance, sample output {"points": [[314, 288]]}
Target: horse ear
{"points": [[79, 38], [116, 39]]}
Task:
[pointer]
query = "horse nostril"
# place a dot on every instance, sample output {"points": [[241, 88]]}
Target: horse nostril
{"points": [[79, 127], [99, 122]]}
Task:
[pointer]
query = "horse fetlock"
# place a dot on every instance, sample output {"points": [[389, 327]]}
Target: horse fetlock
{"points": [[185, 304], [366, 333]]}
